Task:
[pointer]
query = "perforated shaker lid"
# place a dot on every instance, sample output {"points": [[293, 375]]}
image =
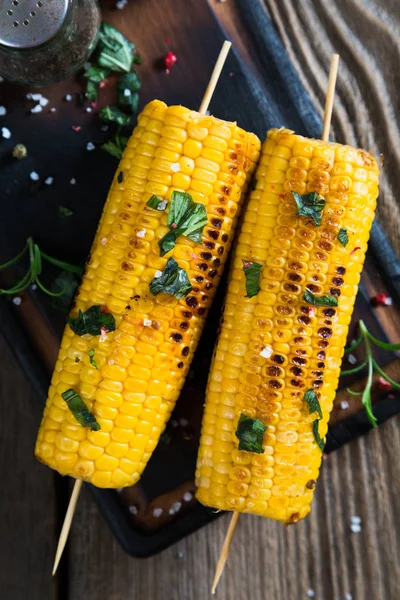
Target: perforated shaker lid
{"points": [[30, 23]]}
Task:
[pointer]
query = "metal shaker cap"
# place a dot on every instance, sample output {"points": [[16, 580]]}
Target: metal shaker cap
{"points": [[30, 23]]}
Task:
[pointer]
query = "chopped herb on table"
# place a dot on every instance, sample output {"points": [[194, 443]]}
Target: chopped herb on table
{"points": [[372, 365]]}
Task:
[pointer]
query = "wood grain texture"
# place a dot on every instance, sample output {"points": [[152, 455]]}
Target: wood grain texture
{"points": [[27, 496]]}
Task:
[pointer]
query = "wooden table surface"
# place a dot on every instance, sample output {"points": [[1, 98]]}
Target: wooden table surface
{"points": [[320, 554]]}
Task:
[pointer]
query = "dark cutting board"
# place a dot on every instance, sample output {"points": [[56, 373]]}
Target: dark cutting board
{"points": [[258, 99]]}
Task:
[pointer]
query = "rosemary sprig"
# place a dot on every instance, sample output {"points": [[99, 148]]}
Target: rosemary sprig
{"points": [[36, 257], [369, 341]]}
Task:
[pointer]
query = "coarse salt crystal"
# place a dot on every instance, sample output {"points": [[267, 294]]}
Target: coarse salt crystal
{"points": [[104, 241], [187, 496], [310, 593], [43, 101], [6, 133], [103, 338], [72, 181], [33, 287], [348, 597], [89, 109], [356, 520], [127, 93], [36, 97], [157, 512], [34, 176], [1, 79], [141, 233], [133, 509], [49, 180], [157, 274], [3, 111], [68, 97], [266, 352], [175, 167], [183, 422], [355, 528], [180, 555], [90, 146], [17, 300], [119, 490], [121, 4], [175, 508], [87, 65], [352, 359], [344, 405], [53, 109], [162, 205], [110, 362], [147, 322], [36, 109]]}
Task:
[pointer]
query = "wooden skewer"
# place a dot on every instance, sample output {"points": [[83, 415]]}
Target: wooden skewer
{"points": [[223, 557], [212, 84]]}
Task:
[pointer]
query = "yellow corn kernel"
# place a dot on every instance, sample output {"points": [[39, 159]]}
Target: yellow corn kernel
{"points": [[270, 348], [140, 368]]}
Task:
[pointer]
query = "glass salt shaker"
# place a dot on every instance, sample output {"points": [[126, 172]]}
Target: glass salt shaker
{"points": [[47, 40]]}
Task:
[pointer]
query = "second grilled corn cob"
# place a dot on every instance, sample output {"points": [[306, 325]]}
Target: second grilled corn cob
{"points": [[288, 307], [130, 378]]}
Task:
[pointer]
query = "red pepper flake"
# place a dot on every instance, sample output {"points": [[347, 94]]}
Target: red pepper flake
{"points": [[231, 74], [170, 59], [381, 300], [272, 187], [76, 128], [93, 104], [103, 84], [281, 195], [167, 71], [325, 456], [391, 397], [384, 385], [104, 309], [355, 249], [247, 263], [103, 330], [168, 41], [174, 226], [311, 311]]}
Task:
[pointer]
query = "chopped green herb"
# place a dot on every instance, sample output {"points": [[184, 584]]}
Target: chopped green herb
{"points": [[128, 86], [92, 90], [80, 411], [252, 272], [185, 217], [320, 300], [156, 203], [64, 211], [313, 403], [343, 237], [120, 177], [114, 51], [310, 205], [318, 438], [91, 358], [113, 114], [173, 280], [115, 146], [77, 359], [250, 433], [64, 287], [96, 74], [94, 321]]}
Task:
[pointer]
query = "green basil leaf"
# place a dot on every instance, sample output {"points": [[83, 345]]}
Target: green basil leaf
{"points": [[112, 148], [250, 433], [64, 288], [320, 300], [80, 411], [310, 205], [114, 51], [91, 358], [173, 280], [112, 114], [343, 237], [137, 59], [64, 211], [318, 438], [92, 321], [252, 272], [96, 74], [92, 90], [185, 217], [157, 203], [313, 403]]}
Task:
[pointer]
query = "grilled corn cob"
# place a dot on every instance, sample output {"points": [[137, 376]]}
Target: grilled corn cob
{"points": [[277, 361], [129, 379]]}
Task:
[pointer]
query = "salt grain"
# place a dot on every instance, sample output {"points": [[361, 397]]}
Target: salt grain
{"points": [[344, 405], [180, 555], [68, 98], [90, 146], [356, 520], [187, 496], [49, 180], [105, 128], [36, 109], [147, 322], [103, 241], [175, 167], [352, 359], [6, 133], [3, 111], [141, 233], [119, 490], [348, 597], [34, 176], [175, 508], [110, 362], [310, 593], [127, 93], [43, 101], [157, 274], [33, 287], [133, 509], [89, 109], [355, 528], [103, 338], [17, 300], [162, 205], [72, 181], [1, 79], [266, 352], [157, 512], [53, 110], [121, 4]]}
